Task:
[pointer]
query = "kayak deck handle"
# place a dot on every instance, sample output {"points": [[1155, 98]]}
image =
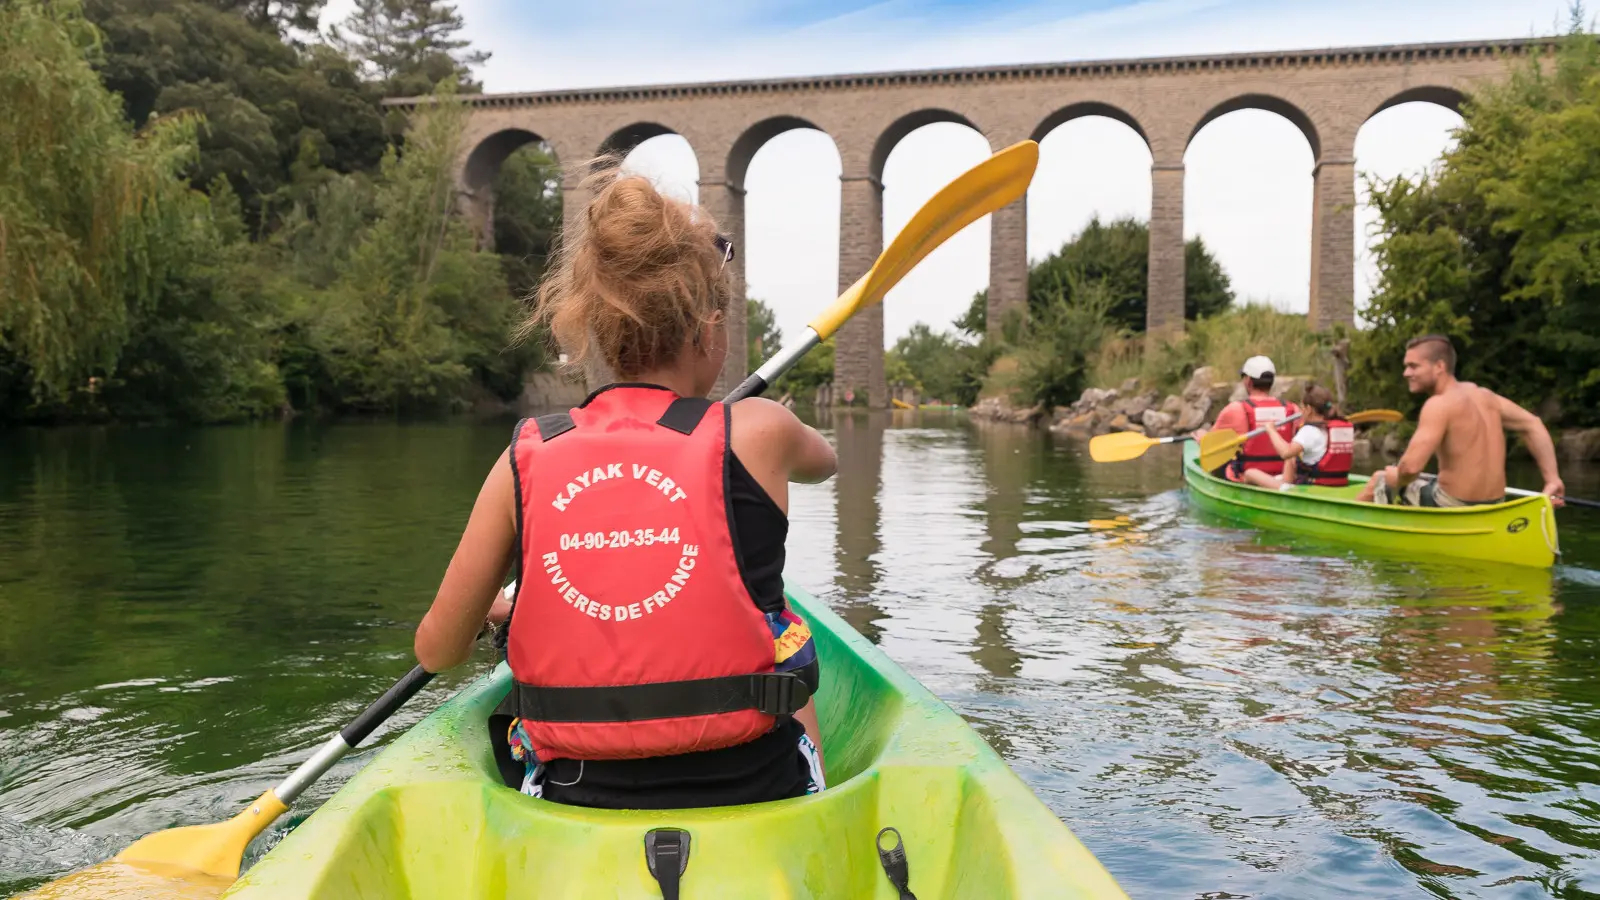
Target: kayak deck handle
{"points": [[894, 863], [666, 854]]}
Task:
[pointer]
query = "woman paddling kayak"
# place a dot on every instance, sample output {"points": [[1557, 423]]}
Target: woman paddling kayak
{"points": [[656, 665]]}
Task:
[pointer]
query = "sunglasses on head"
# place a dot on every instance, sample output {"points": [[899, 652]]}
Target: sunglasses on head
{"points": [[725, 247]]}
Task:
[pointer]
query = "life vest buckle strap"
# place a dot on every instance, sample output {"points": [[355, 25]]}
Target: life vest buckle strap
{"points": [[771, 693], [780, 693]]}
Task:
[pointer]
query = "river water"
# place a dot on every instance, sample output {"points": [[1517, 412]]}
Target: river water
{"points": [[1217, 712]]}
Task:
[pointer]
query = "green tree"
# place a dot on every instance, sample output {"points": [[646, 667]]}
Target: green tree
{"points": [[811, 372], [263, 100], [410, 45], [1116, 257], [527, 215], [762, 332], [419, 312], [1497, 247], [86, 208]]}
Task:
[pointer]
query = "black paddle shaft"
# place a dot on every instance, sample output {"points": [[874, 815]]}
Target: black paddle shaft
{"points": [[392, 699]]}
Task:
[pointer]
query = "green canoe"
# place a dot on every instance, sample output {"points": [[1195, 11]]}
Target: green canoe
{"points": [[1519, 532], [430, 818]]}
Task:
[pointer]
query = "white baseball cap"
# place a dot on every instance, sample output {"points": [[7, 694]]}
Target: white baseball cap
{"points": [[1258, 367]]}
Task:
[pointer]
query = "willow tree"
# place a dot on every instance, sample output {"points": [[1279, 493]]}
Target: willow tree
{"points": [[85, 203]]}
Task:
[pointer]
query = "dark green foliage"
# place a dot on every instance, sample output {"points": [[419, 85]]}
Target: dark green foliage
{"points": [[1059, 342], [811, 372], [1500, 247], [1116, 256], [263, 101], [305, 276], [945, 367], [527, 215], [761, 332]]}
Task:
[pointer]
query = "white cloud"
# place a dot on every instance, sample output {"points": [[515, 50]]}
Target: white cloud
{"points": [[1248, 178]]}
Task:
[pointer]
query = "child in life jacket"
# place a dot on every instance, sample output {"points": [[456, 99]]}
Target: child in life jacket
{"points": [[1320, 452], [655, 661]]}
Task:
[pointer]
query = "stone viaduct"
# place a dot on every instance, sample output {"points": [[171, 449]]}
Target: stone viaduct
{"points": [[1328, 94]]}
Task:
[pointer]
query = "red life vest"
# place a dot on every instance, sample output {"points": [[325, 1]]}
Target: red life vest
{"points": [[632, 633], [1258, 452], [1333, 469]]}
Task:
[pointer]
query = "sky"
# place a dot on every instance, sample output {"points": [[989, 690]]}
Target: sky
{"points": [[1248, 174]]}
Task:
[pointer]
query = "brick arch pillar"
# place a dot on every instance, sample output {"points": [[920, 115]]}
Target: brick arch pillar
{"points": [[858, 354], [1164, 291], [724, 200], [1333, 234], [1008, 262]]}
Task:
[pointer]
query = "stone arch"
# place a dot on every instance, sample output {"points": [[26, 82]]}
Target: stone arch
{"points": [[1090, 108], [1268, 103], [484, 160], [624, 139], [903, 126], [754, 138], [1437, 94], [479, 170]]}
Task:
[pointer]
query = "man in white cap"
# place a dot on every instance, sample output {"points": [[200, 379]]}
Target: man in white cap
{"points": [[1258, 408]]}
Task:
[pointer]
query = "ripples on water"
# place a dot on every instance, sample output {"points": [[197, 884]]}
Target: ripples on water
{"points": [[1217, 712]]}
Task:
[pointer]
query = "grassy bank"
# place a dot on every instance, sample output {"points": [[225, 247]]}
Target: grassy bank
{"points": [[1223, 341]]}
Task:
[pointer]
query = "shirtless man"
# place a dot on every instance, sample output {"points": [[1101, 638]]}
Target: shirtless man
{"points": [[1465, 425]]}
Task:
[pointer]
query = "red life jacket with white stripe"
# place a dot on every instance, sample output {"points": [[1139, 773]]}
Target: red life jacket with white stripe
{"points": [[632, 633], [1258, 452], [1333, 469]]}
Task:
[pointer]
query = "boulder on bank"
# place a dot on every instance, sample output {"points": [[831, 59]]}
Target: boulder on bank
{"points": [[1579, 444], [1158, 424], [1120, 422]]}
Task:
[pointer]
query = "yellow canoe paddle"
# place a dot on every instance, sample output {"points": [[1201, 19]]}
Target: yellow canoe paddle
{"points": [[1125, 445], [1372, 416], [200, 859]]}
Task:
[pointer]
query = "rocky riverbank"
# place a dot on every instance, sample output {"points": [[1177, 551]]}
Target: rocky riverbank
{"points": [[1128, 408]]}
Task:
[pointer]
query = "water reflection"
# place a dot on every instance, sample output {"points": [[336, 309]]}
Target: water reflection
{"points": [[1220, 712], [1217, 712]]}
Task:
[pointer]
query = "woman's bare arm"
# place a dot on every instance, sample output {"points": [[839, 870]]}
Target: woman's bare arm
{"points": [[472, 582]]}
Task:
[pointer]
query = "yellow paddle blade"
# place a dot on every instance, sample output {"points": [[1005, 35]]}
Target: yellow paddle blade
{"points": [[211, 849], [1217, 447], [1120, 446], [191, 863], [1375, 415], [113, 880], [998, 181]]}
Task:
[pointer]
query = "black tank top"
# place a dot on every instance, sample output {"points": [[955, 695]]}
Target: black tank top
{"points": [[767, 768]]}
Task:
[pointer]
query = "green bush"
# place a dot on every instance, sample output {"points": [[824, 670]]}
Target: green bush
{"points": [[1059, 342]]}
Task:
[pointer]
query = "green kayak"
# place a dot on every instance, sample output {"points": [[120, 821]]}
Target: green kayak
{"points": [[1519, 532], [429, 817]]}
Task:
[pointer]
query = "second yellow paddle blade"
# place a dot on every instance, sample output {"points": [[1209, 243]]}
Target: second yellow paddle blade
{"points": [[1367, 417], [1217, 447], [998, 181], [1118, 447]]}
